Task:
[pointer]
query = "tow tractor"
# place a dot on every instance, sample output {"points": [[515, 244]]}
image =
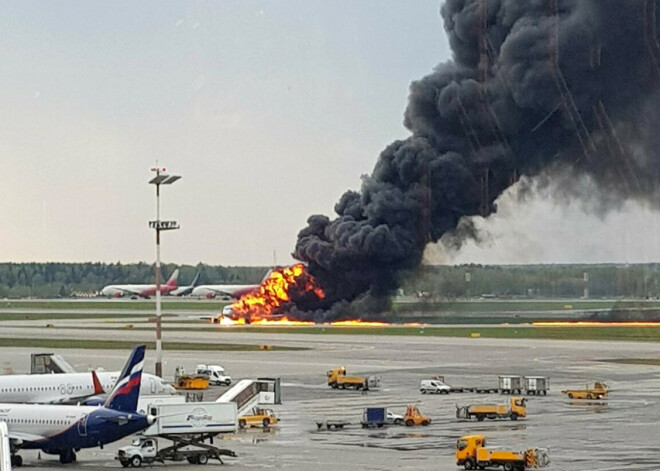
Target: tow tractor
{"points": [[258, 417], [415, 417], [471, 453], [598, 391]]}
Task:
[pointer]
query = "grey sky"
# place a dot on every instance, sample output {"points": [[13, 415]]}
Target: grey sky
{"points": [[269, 109]]}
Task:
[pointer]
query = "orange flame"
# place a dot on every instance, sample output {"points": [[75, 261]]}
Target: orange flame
{"points": [[275, 293]]}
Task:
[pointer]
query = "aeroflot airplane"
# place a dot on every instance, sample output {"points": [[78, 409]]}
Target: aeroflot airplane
{"points": [[62, 430], [145, 291], [70, 388]]}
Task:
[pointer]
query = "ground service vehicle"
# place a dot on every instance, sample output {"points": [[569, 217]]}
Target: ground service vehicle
{"points": [[471, 453], [188, 381], [436, 386], [188, 426], [373, 417], [337, 379], [216, 373], [415, 417], [599, 391], [257, 417], [394, 419], [514, 409]]}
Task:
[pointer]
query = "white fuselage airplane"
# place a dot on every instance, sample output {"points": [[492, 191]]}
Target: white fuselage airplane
{"points": [[70, 387], [227, 291], [144, 291]]}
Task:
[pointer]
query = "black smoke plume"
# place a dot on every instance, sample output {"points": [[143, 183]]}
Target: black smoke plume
{"points": [[563, 89]]}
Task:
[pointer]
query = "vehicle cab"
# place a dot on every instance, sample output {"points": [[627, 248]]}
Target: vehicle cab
{"points": [[140, 450], [518, 406], [216, 373], [466, 449]]}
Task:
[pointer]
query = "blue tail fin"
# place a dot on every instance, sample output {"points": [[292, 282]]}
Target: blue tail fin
{"points": [[124, 396]]}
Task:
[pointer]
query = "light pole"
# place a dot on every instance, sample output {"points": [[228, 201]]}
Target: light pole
{"points": [[161, 178]]}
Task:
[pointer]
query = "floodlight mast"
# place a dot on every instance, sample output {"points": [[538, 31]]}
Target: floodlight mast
{"points": [[161, 178]]}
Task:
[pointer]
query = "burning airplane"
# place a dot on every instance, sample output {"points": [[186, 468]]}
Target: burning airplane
{"points": [[557, 92]]}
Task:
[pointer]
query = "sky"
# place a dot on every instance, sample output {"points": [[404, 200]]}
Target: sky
{"points": [[268, 110]]}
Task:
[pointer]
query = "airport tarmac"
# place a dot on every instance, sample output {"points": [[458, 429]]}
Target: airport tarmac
{"points": [[617, 434]]}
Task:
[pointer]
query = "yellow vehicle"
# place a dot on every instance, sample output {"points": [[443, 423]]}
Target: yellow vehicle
{"points": [[189, 381], [258, 418], [471, 453], [599, 391], [337, 379], [415, 417], [515, 408]]}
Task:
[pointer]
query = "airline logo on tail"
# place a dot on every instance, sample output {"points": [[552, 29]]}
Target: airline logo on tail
{"points": [[124, 396], [173, 281]]}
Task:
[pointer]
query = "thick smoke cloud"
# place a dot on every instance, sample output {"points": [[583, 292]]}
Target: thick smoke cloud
{"points": [[535, 88]]}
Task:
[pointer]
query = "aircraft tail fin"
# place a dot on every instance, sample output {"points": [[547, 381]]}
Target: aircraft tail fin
{"points": [[124, 396], [195, 280], [98, 388], [173, 279]]}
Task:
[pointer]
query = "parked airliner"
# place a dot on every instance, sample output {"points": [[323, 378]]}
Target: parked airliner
{"points": [[71, 388], [62, 430], [144, 291]]}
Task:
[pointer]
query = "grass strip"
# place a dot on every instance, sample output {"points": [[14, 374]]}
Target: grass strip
{"points": [[623, 333], [127, 345]]}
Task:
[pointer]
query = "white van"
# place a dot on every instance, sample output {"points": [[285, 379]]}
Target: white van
{"points": [[216, 374], [433, 386]]}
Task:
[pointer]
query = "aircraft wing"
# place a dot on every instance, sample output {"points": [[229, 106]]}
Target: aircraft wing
{"points": [[128, 291], [21, 437], [220, 291]]}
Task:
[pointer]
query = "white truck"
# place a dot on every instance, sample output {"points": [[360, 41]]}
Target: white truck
{"points": [[216, 373], [434, 386], [188, 426]]}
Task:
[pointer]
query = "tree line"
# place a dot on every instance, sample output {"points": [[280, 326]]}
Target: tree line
{"points": [[49, 280], [536, 281]]}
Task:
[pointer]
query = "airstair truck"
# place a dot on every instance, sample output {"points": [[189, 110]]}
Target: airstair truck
{"points": [[187, 426]]}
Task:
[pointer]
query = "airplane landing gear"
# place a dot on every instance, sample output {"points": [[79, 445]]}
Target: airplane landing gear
{"points": [[67, 456], [16, 461]]}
